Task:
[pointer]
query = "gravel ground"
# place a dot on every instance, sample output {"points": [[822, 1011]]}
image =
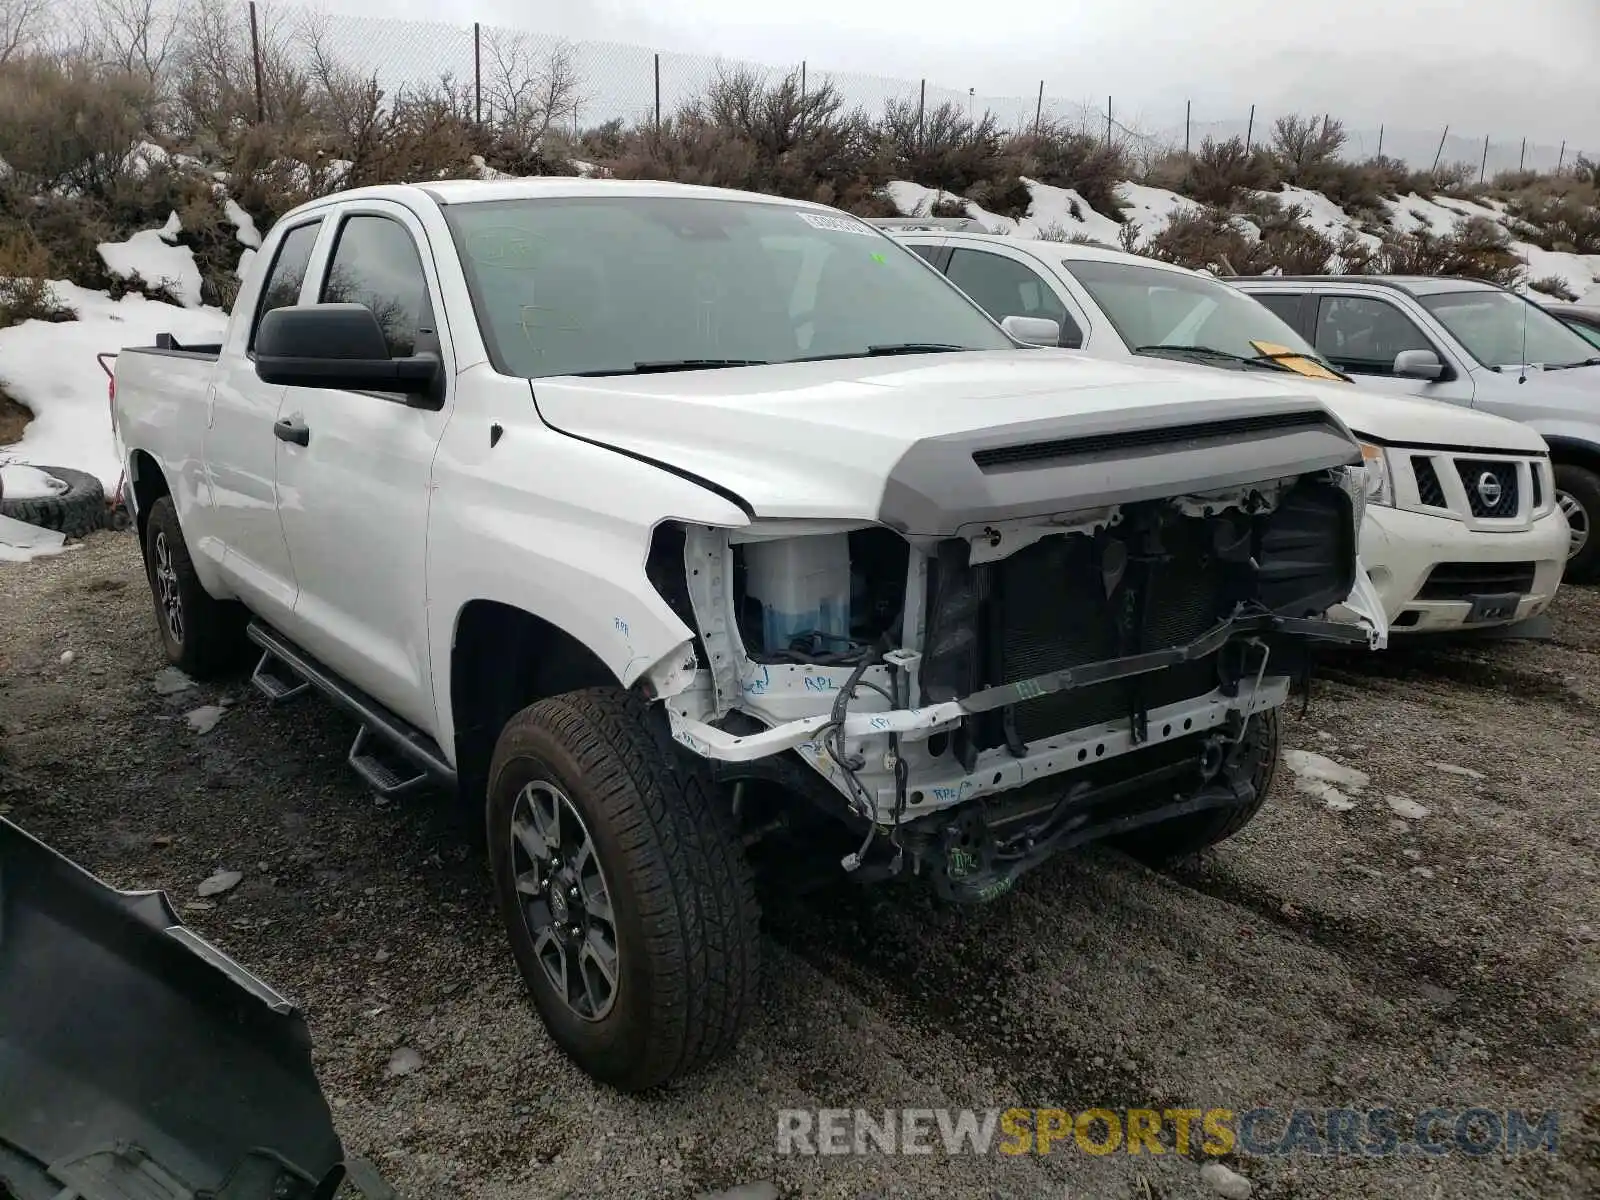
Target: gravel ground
{"points": [[1363, 957]]}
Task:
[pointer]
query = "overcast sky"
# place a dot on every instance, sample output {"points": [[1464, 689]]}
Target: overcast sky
{"points": [[1510, 68]]}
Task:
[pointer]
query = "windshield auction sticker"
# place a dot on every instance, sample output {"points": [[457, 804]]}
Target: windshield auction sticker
{"points": [[837, 224]]}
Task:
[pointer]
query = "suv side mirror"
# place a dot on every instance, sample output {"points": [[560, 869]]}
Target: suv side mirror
{"points": [[341, 346], [1418, 364], [1033, 331]]}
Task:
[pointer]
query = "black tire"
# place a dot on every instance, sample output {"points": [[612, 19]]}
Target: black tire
{"points": [[685, 922], [1184, 836], [203, 637], [1581, 488], [80, 510]]}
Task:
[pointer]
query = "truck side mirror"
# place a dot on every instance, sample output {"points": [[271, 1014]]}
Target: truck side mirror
{"points": [[341, 346], [1418, 364], [1033, 331]]}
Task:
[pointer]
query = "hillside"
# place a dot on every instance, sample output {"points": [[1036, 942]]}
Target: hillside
{"points": [[132, 198]]}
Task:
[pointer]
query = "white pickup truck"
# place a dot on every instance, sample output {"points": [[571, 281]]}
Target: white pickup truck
{"points": [[1464, 527], [645, 516]]}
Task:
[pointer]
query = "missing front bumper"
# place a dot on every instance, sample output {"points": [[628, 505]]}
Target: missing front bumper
{"points": [[865, 730]]}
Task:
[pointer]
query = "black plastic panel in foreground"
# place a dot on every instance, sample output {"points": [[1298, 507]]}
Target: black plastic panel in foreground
{"points": [[954, 484], [115, 1032]]}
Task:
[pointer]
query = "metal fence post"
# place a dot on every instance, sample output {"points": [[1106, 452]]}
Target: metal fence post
{"points": [[1440, 152], [255, 54], [658, 95], [1522, 159], [1483, 168], [802, 99], [1250, 129], [477, 73], [1380, 141], [1108, 120], [1038, 111], [1562, 161], [922, 108], [1188, 120]]}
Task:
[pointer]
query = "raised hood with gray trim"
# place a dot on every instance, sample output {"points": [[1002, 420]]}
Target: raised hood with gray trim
{"points": [[932, 443]]}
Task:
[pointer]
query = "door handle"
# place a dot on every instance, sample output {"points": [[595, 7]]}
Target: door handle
{"points": [[291, 429]]}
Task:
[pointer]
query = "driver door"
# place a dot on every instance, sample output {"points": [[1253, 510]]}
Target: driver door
{"points": [[1361, 335], [354, 497]]}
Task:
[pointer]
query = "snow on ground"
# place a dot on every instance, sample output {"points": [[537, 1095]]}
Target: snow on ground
{"points": [[1152, 208], [1322, 214], [51, 368], [18, 482], [1322, 778], [152, 256], [1055, 212], [243, 223]]}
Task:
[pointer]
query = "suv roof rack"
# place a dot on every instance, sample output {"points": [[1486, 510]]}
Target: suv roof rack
{"points": [[948, 224]]}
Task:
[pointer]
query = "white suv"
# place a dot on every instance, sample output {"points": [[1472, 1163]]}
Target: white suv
{"points": [[1462, 529]]}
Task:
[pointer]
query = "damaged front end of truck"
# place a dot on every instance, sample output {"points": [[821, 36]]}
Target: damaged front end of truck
{"points": [[1046, 638]]}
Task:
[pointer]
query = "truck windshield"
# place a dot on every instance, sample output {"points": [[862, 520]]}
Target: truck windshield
{"points": [[1156, 311], [1490, 325], [623, 284]]}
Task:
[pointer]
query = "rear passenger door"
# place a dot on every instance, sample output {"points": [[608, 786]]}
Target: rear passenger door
{"points": [[1005, 286], [354, 499]]}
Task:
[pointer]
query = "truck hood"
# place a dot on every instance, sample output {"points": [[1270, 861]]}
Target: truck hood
{"points": [[893, 439], [1409, 420], [1413, 421]]}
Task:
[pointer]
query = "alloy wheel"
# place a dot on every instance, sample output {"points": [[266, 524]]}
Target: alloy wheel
{"points": [[564, 900]]}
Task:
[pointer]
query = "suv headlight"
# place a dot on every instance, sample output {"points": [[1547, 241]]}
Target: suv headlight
{"points": [[1380, 483]]}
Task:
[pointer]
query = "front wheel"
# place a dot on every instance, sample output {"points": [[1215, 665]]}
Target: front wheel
{"points": [[623, 887], [1578, 494], [1183, 836]]}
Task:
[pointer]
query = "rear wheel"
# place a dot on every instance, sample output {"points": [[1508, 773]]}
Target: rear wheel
{"points": [[202, 636], [1188, 835], [623, 887], [1578, 494]]}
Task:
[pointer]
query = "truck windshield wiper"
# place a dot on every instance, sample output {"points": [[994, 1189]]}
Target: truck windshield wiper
{"points": [[1588, 362], [675, 364], [1270, 361], [887, 349]]}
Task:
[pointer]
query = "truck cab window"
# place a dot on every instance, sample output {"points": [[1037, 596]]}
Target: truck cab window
{"points": [[282, 288], [375, 264]]}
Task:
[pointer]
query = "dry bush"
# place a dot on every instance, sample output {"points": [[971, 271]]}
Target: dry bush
{"points": [[1221, 171], [67, 125], [1555, 287], [24, 27], [747, 133], [1364, 186], [1477, 249], [1556, 212], [1169, 170], [1068, 158], [1204, 240], [947, 149], [25, 291], [1303, 148]]}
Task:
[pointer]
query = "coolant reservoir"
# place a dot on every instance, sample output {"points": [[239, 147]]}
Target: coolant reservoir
{"points": [[803, 587]]}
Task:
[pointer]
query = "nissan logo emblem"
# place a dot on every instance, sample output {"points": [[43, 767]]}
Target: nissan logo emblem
{"points": [[1489, 489]]}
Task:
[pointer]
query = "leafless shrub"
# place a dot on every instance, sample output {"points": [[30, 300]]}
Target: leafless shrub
{"points": [[25, 291], [1304, 147], [1222, 170], [1555, 287], [24, 26]]}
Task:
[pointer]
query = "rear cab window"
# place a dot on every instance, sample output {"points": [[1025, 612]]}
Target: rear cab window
{"points": [[281, 289]]}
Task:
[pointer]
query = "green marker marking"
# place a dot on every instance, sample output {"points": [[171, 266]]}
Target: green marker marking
{"points": [[878, 258]]}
